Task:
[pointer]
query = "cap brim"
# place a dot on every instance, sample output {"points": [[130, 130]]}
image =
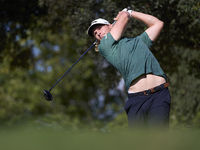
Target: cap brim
{"points": [[90, 29], [89, 32]]}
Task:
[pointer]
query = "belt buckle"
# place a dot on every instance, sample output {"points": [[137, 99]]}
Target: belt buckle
{"points": [[145, 93]]}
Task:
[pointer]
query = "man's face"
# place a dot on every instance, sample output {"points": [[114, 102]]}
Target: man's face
{"points": [[101, 30]]}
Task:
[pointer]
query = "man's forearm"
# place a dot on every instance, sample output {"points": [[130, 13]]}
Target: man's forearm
{"points": [[149, 20]]}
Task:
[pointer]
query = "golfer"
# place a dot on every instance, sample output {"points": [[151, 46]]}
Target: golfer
{"points": [[148, 103]]}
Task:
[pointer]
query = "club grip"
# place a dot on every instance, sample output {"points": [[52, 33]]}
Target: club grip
{"points": [[128, 8]]}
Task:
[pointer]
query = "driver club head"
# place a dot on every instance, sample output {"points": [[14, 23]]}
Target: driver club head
{"points": [[47, 95]]}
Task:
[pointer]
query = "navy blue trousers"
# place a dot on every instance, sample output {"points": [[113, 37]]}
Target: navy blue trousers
{"points": [[149, 111]]}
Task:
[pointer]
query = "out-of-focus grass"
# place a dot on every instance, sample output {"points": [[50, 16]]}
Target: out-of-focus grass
{"points": [[41, 139]]}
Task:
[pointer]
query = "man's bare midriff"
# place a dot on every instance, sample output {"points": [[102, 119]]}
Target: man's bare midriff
{"points": [[145, 82]]}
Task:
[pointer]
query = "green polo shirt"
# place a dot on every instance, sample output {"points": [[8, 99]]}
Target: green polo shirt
{"points": [[130, 56]]}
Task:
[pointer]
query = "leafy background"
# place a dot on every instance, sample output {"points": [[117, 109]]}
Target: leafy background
{"points": [[41, 39]]}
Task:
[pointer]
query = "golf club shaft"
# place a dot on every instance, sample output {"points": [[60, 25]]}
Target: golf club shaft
{"points": [[128, 8], [73, 66]]}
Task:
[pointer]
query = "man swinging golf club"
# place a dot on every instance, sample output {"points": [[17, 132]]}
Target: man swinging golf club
{"points": [[148, 103]]}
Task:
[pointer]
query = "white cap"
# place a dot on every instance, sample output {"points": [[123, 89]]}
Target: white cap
{"points": [[95, 22]]}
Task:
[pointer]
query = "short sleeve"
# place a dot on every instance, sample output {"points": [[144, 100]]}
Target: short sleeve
{"points": [[144, 36]]}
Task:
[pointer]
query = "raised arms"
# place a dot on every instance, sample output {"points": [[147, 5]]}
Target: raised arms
{"points": [[154, 25]]}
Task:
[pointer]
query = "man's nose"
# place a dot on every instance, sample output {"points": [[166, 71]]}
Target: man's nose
{"points": [[98, 33]]}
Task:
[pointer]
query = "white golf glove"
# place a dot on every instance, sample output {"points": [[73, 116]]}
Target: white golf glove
{"points": [[129, 11]]}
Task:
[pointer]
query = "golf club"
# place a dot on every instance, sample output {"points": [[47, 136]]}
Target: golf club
{"points": [[47, 93]]}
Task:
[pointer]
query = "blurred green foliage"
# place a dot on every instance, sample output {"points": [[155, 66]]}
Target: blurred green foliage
{"points": [[32, 139], [41, 39]]}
